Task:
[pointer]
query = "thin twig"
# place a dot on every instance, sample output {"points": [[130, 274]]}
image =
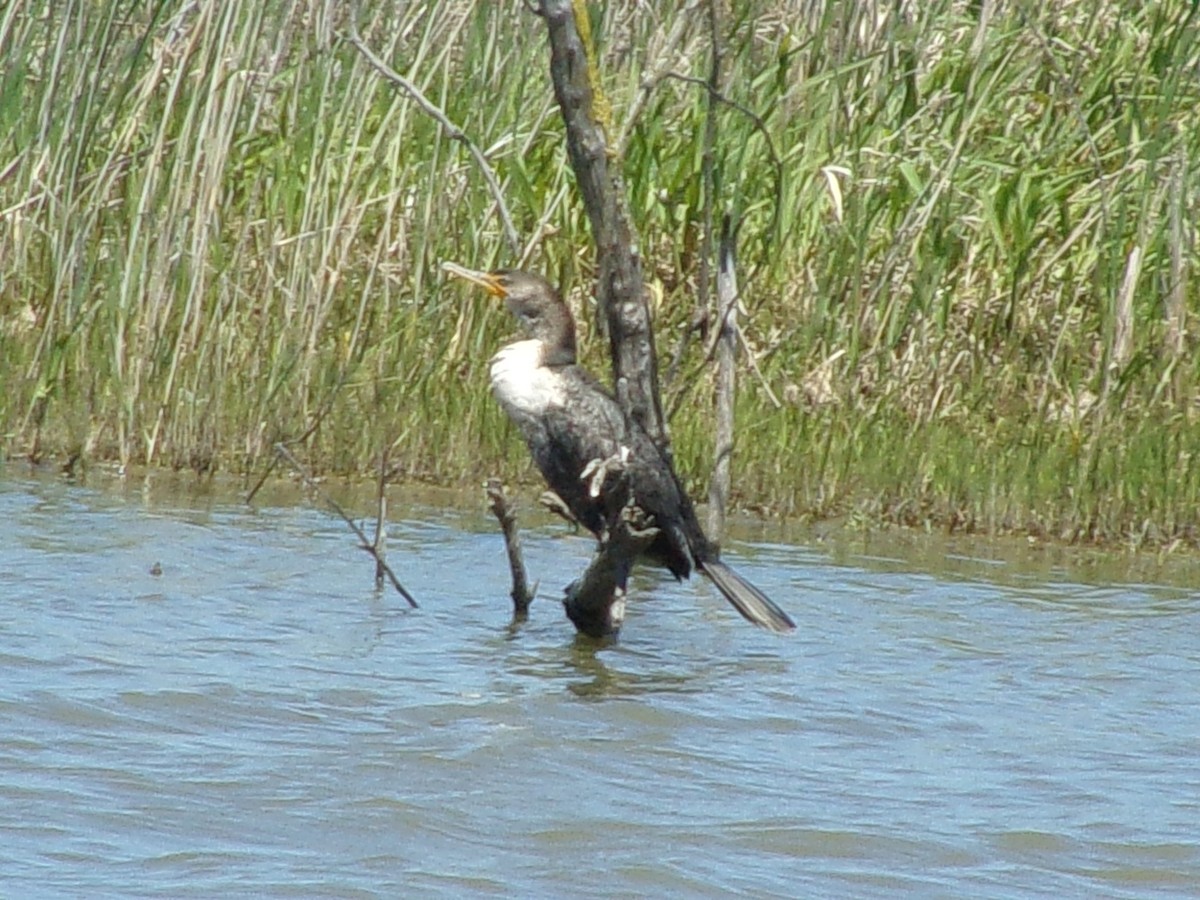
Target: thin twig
{"points": [[752, 359], [438, 115], [380, 542], [708, 165], [694, 379], [1179, 238], [727, 301], [648, 82], [365, 544], [522, 596], [317, 419], [263, 478], [761, 127]]}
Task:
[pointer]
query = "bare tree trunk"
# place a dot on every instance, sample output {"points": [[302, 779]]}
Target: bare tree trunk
{"points": [[707, 165], [727, 336], [1180, 240], [620, 292], [1122, 345], [596, 602]]}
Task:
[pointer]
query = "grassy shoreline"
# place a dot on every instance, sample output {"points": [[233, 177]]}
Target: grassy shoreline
{"points": [[972, 294]]}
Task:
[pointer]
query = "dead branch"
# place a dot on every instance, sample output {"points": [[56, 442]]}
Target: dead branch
{"points": [[453, 132], [595, 602], [521, 594], [620, 292], [364, 544], [727, 302], [380, 542], [761, 127]]}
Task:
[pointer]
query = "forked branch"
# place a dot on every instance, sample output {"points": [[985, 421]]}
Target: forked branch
{"points": [[453, 132]]}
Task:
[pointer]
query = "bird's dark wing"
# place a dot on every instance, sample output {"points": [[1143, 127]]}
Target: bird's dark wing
{"points": [[592, 426]]}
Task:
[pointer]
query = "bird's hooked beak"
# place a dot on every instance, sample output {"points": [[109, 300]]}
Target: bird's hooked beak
{"points": [[489, 281]]}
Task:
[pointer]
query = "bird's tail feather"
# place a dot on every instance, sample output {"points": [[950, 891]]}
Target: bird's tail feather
{"points": [[748, 600]]}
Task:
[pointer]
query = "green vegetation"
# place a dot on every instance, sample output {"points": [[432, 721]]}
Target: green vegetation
{"points": [[970, 280]]}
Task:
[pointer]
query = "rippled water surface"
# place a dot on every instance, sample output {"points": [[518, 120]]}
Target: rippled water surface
{"points": [[258, 721]]}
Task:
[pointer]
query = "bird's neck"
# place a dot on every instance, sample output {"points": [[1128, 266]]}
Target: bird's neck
{"points": [[558, 339], [525, 379], [555, 331], [558, 354]]}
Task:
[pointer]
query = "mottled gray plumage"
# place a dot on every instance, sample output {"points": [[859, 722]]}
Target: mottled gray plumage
{"points": [[569, 419]]}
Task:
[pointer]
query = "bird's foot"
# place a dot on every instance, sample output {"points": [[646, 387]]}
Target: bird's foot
{"points": [[638, 522], [597, 471]]}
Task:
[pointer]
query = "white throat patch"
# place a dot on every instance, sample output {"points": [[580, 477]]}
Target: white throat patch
{"points": [[521, 383]]}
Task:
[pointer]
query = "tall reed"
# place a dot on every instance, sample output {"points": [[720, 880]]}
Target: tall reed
{"points": [[967, 238]]}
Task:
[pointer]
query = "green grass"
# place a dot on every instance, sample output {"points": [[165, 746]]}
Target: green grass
{"points": [[970, 279]]}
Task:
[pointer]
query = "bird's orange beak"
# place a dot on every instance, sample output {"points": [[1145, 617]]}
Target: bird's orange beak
{"points": [[489, 281]]}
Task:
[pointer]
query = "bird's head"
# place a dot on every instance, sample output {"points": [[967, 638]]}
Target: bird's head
{"points": [[536, 305]]}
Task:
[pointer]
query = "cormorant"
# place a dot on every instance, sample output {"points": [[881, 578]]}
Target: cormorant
{"points": [[568, 420]]}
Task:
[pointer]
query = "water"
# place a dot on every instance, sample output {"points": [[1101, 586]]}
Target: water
{"points": [[948, 721]]}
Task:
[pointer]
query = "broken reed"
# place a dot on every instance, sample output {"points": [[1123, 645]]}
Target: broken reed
{"points": [[968, 248]]}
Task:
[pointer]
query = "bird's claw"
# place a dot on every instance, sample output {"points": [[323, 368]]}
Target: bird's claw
{"points": [[597, 471]]}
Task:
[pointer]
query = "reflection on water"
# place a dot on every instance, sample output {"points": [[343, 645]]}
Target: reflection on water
{"points": [[951, 719]]}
